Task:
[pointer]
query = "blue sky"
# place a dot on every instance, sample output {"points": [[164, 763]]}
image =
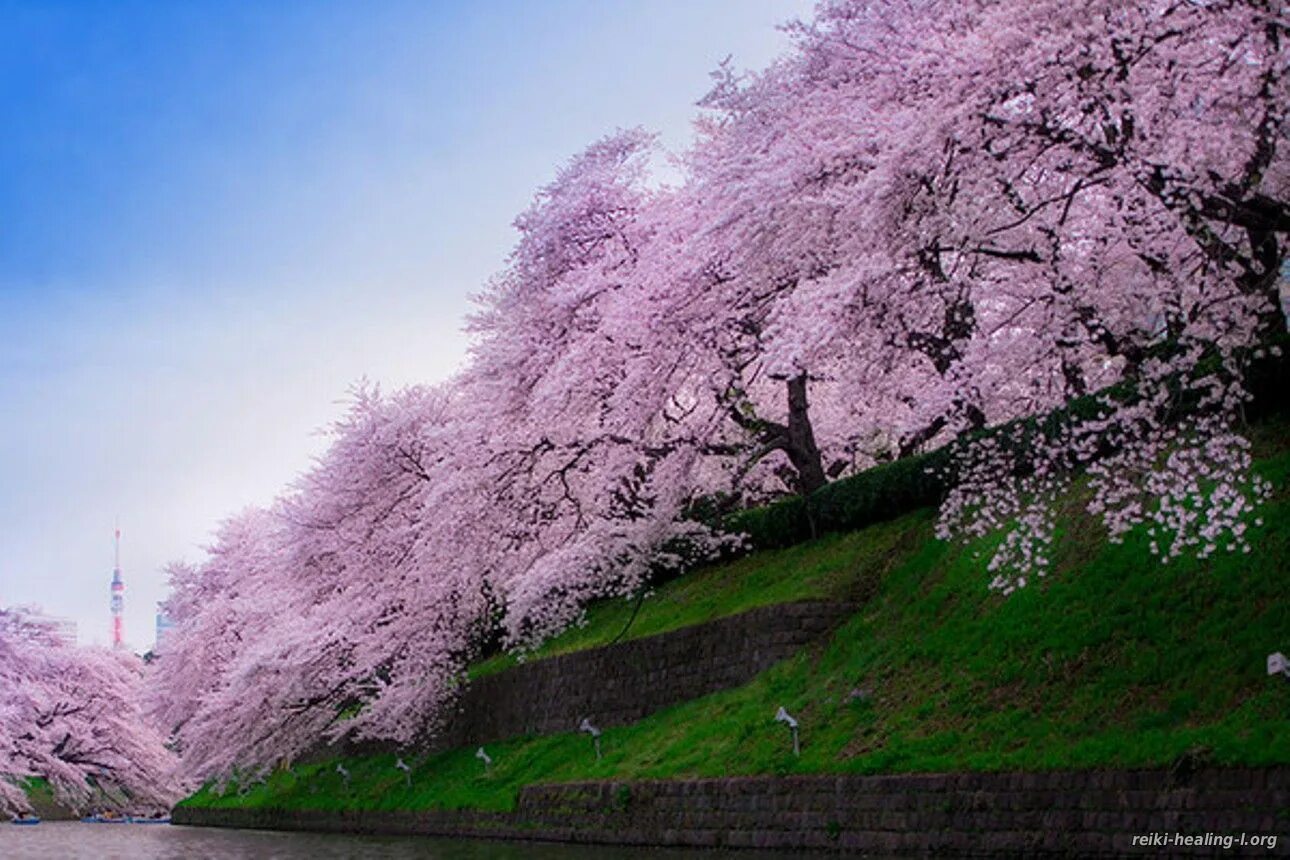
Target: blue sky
{"points": [[215, 217]]}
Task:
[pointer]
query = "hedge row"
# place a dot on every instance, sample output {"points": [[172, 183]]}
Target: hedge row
{"points": [[893, 489]]}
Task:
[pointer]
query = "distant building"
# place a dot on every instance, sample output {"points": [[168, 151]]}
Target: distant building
{"points": [[64, 630], [31, 623], [164, 626]]}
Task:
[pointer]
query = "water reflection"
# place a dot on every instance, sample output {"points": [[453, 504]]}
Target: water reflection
{"points": [[65, 840]]}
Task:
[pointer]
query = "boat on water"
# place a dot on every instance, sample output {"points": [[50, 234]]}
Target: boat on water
{"points": [[123, 819], [25, 819]]}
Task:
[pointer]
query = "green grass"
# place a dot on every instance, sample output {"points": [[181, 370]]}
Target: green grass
{"points": [[41, 797], [840, 567], [1112, 660]]}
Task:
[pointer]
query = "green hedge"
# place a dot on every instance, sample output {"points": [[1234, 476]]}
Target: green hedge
{"points": [[881, 493], [893, 489]]}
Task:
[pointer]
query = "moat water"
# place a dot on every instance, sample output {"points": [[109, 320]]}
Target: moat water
{"points": [[66, 840]]}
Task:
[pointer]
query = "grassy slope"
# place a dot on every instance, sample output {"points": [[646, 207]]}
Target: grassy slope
{"points": [[41, 798], [1114, 660], [834, 567]]}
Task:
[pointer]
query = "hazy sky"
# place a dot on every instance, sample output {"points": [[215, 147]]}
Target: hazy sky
{"points": [[215, 217]]}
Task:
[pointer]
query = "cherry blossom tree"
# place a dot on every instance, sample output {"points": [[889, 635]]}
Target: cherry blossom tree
{"points": [[338, 613], [935, 191], [585, 486], [906, 194], [1132, 159], [221, 608], [71, 716]]}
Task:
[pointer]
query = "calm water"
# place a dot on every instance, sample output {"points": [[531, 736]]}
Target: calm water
{"points": [[66, 840]]}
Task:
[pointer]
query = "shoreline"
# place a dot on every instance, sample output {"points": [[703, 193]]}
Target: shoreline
{"points": [[1060, 813]]}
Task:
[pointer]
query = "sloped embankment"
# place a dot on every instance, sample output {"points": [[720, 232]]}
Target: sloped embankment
{"points": [[1114, 662]]}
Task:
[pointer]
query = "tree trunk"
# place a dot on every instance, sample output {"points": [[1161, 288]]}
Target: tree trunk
{"points": [[1266, 281], [800, 446]]}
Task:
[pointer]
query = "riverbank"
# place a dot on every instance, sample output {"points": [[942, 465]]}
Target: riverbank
{"points": [[1114, 664], [1073, 814]]}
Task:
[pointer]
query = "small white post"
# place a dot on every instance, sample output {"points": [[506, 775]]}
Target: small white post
{"points": [[485, 758], [407, 771], [344, 774], [587, 727], [1278, 664], [783, 716]]}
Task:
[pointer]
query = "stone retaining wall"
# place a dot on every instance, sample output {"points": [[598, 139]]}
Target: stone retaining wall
{"points": [[616, 685], [1071, 814], [619, 684]]}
